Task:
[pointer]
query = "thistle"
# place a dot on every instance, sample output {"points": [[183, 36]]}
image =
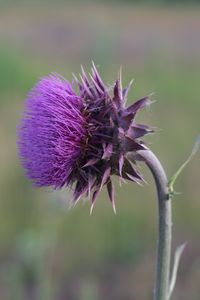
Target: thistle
{"points": [[80, 139]]}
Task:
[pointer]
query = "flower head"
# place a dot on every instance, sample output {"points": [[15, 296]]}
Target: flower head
{"points": [[80, 139]]}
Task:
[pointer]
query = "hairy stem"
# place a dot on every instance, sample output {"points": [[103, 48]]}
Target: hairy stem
{"points": [[161, 291]]}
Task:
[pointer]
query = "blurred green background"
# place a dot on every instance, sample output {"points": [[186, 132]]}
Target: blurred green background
{"points": [[49, 252]]}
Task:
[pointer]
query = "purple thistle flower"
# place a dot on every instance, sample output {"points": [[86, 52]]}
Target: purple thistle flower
{"points": [[80, 140]]}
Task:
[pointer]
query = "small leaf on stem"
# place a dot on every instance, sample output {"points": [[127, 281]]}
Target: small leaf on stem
{"points": [[177, 257], [178, 172]]}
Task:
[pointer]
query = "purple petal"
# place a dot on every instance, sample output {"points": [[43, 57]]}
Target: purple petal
{"points": [[51, 132]]}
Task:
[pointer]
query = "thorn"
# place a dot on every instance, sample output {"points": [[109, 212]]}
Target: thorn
{"points": [[91, 208], [126, 91], [74, 76], [86, 87], [83, 72], [121, 164], [96, 85], [74, 203], [151, 94], [120, 83], [114, 208]]}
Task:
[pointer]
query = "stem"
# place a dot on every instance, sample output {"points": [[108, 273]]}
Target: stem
{"points": [[161, 291]]}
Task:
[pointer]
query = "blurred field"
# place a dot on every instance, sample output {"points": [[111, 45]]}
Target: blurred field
{"points": [[48, 252]]}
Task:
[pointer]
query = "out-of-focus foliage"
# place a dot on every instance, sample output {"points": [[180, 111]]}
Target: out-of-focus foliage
{"points": [[48, 251], [113, 2]]}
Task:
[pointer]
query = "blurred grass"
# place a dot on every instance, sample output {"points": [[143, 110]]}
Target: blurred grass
{"points": [[50, 252], [14, 74]]}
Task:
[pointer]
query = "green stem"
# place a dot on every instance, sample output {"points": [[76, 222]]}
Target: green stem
{"points": [[161, 291]]}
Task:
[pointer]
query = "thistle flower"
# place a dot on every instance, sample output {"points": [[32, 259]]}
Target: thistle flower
{"points": [[80, 139]]}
